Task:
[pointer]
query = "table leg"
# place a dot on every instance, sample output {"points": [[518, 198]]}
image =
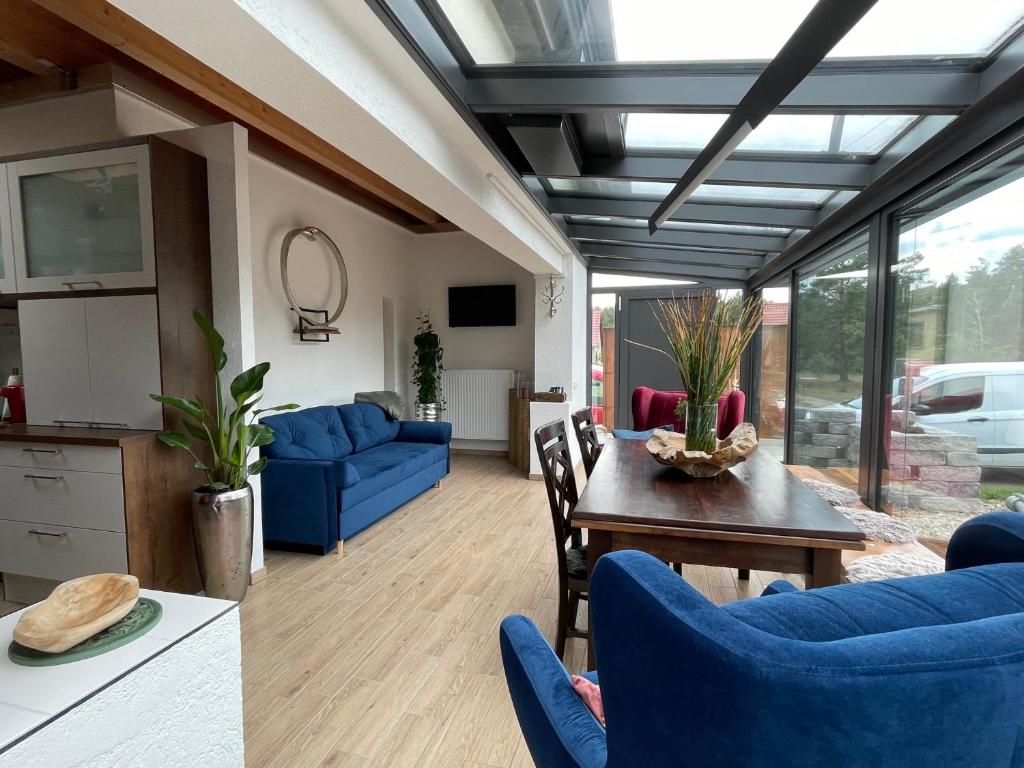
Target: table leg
{"points": [[598, 543], [826, 568]]}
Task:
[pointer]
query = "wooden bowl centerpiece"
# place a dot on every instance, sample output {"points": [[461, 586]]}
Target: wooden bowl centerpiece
{"points": [[669, 448], [77, 610]]}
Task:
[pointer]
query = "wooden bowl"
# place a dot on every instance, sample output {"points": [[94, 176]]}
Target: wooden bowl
{"points": [[669, 448], [77, 610]]}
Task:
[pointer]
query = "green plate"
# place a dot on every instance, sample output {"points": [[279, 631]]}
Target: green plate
{"points": [[142, 618]]}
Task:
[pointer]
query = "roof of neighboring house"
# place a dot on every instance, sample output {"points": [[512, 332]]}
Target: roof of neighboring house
{"points": [[775, 313]]}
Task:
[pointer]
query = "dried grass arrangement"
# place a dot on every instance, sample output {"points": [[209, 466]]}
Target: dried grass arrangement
{"points": [[706, 336]]}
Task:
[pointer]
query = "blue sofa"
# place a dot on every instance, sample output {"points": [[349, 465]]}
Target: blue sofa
{"points": [[924, 671], [336, 469]]}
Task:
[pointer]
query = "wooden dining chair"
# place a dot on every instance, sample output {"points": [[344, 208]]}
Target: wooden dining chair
{"points": [[556, 466], [586, 436]]}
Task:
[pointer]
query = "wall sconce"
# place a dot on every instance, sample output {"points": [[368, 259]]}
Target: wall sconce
{"points": [[551, 294]]}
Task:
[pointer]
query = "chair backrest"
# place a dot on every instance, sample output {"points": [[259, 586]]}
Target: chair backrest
{"points": [[654, 408], [556, 466], [586, 436]]}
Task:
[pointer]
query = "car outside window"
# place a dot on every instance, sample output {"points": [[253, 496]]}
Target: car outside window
{"points": [[952, 396], [1008, 393]]}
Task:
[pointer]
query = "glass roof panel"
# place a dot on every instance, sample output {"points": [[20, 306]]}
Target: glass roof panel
{"points": [[657, 190], [685, 226], [574, 32], [861, 134]]}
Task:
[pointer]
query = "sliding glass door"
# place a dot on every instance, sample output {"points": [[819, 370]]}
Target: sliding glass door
{"points": [[774, 361]]}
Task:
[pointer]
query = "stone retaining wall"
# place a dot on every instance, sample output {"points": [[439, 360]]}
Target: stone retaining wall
{"points": [[937, 471]]}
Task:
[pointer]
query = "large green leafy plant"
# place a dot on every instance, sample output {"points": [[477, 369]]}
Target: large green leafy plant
{"points": [[426, 362], [222, 438]]}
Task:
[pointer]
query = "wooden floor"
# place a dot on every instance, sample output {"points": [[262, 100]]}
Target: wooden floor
{"points": [[389, 656]]}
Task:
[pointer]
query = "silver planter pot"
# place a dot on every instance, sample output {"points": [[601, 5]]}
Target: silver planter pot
{"points": [[428, 411], [222, 529]]}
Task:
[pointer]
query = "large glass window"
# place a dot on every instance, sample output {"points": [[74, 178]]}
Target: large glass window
{"points": [[954, 436], [830, 315], [657, 190], [772, 377]]}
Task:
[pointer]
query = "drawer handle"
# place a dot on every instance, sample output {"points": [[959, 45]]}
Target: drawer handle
{"points": [[120, 424], [44, 477], [62, 422], [54, 451], [71, 285], [37, 532]]}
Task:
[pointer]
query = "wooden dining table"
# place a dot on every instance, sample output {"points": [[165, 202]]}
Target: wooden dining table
{"points": [[756, 515]]}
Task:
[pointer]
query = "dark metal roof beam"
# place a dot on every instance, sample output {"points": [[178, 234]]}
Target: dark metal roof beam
{"points": [[605, 264], [884, 91], [775, 173], [699, 258], [759, 243], [713, 213]]}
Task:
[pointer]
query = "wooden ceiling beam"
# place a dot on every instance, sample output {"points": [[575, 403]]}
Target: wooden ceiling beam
{"points": [[40, 43], [136, 41]]}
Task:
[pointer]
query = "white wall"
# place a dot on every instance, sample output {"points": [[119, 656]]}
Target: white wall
{"points": [[376, 257]]}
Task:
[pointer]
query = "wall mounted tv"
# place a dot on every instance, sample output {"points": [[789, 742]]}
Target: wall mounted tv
{"points": [[481, 305]]}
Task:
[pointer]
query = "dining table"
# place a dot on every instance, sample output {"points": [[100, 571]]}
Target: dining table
{"points": [[756, 515]]}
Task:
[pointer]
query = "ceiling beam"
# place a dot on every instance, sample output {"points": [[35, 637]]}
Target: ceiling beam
{"points": [[698, 258], [761, 172], [882, 91], [675, 237], [605, 264], [715, 213]]}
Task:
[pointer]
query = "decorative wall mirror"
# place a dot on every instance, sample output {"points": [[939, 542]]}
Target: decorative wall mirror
{"points": [[311, 327]]}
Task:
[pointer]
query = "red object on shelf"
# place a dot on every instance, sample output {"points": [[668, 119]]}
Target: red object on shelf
{"points": [[15, 394]]}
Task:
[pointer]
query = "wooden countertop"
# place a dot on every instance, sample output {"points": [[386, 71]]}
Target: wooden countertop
{"points": [[28, 433]]}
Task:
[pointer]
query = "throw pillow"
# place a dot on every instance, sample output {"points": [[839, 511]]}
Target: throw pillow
{"points": [[590, 693]]}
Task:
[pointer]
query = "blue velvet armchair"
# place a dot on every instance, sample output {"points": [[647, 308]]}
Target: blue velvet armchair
{"points": [[924, 671]]}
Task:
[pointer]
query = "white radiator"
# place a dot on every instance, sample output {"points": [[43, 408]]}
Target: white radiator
{"points": [[477, 402]]}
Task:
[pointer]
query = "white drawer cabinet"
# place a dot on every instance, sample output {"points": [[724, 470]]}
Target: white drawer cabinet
{"points": [[59, 552], [63, 497], [84, 458]]}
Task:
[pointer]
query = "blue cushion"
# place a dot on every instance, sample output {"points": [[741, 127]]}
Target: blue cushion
{"points": [[387, 465], [367, 425], [632, 434], [854, 610], [345, 474], [312, 433]]}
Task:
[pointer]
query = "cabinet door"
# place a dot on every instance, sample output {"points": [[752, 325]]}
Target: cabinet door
{"points": [[83, 221], [55, 356], [6, 237], [124, 361]]}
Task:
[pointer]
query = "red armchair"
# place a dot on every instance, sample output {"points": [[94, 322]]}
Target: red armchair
{"points": [[653, 408]]}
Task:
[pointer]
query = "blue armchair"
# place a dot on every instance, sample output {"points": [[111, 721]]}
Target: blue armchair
{"points": [[918, 671]]}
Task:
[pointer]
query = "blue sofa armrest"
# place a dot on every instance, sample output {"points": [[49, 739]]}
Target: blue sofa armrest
{"points": [[559, 729], [439, 432], [300, 504], [995, 537], [780, 587]]}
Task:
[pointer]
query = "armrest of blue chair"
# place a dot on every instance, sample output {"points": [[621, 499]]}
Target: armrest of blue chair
{"points": [[559, 729], [996, 537], [300, 503], [439, 432], [779, 587]]}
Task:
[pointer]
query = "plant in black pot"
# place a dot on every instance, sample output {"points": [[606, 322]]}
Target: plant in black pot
{"points": [[221, 435], [426, 371]]}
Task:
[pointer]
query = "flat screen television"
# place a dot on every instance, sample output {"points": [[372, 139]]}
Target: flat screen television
{"points": [[481, 305]]}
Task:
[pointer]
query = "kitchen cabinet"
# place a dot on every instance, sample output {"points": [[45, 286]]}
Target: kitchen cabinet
{"points": [[83, 221], [7, 281], [91, 361]]}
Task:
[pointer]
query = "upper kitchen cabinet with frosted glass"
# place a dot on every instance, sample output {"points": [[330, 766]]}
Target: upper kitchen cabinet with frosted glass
{"points": [[7, 282], [83, 221]]}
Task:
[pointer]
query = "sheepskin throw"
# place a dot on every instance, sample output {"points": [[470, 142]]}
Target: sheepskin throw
{"points": [[834, 494], [891, 566], [878, 526]]}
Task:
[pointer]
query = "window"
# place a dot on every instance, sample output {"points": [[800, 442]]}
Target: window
{"points": [[957, 281], [657, 190], [772, 377], [831, 308]]}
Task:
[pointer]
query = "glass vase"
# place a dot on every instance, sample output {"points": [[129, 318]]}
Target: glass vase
{"points": [[701, 425]]}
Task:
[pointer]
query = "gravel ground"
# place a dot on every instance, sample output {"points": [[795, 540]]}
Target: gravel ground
{"points": [[940, 525]]}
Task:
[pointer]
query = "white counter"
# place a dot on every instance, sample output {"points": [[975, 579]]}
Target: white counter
{"points": [[172, 697]]}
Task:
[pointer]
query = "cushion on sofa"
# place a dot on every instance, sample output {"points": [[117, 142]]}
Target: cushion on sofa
{"points": [[312, 433], [345, 473], [385, 465], [367, 425], [851, 610]]}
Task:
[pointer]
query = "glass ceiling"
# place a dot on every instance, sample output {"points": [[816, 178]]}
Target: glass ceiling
{"points": [[657, 190], [686, 226], [854, 134], [594, 31]]}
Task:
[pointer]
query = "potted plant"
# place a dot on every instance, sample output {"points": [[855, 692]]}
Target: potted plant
{"points": [[426, 370], [706, 336], [220, 440]]}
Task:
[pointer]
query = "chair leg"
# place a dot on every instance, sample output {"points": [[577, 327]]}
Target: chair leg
{"points": [[563, 622], [678, 568], [744, 574], [574, 610]]}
